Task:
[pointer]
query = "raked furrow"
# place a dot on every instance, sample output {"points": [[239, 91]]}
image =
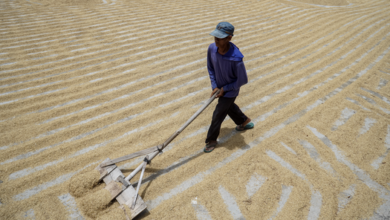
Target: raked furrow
{"points": [[81, 81]]}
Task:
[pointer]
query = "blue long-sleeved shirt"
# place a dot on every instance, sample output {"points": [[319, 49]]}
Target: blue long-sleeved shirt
{"points": [[227, 71]]}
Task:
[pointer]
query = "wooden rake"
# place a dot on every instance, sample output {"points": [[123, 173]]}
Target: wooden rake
{"points": [[120, 187]]}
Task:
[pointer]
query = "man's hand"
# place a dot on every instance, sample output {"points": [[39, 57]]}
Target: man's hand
{"points": [[215, 90]]}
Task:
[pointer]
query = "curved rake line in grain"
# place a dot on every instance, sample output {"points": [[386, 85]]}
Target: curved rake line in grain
{"points": [[335, 74], [125, 119], [314, 155], [335, 92], [140, 10], [383, 211], [155, 15], [19, 157], [350, 5], [371, 101], [316, 197], [256, 120], [114, 67], [174, 11], [200, 176], [51, 62], [309, 54], [61, 179], [35, 25], [28, 171], [118, 52], [71, 34]]}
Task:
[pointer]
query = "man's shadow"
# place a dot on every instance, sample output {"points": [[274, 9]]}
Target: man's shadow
{"points": [[231, 139]]}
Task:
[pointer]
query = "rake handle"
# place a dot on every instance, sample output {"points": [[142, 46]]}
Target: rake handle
{"points": [[189, 121], [169, 140]]}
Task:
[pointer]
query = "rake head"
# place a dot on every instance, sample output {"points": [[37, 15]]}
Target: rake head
{"points": [[126, 194]]}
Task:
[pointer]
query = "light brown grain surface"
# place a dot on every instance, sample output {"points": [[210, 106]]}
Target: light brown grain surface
{"points": [[81, 81]]}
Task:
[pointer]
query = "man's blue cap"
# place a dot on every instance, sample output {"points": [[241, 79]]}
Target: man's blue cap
{"points": [[223, 30]]}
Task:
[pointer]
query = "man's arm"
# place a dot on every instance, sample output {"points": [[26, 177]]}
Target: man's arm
{"points": [[242, 78], [210, 69]]}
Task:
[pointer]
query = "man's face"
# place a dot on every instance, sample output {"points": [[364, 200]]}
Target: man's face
{"points": [[222, 42]]}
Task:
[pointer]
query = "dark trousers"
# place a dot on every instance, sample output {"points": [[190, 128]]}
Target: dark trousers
{"points": [[225, 106]]}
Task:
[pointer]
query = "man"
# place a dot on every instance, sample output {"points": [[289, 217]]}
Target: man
{"points": [[227, 73]]}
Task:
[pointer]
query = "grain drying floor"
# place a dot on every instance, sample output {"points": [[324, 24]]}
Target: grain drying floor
{"points": [[83, 81]]}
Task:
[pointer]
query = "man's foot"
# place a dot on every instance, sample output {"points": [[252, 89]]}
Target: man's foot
{"points": [[210, 146], [246, 125]]}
